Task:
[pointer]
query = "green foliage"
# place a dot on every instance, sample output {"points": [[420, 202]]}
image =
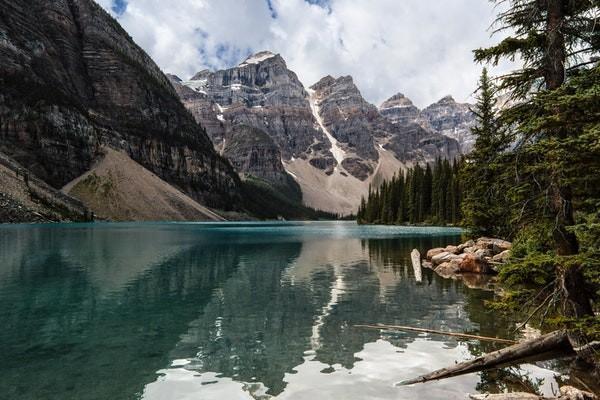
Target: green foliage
{"points": [[420, 195]]}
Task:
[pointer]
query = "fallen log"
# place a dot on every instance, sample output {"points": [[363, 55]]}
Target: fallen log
{"points": [[506, 396], [540, 348], [423, 330], [566, 393], [416, 263]]}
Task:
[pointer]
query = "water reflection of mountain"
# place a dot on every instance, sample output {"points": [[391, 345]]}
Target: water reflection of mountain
{"points": [[67, 334], [275, 310], [96, 311]]}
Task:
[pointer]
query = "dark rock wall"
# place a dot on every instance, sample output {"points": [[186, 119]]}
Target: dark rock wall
{"points": [[73, 80]]}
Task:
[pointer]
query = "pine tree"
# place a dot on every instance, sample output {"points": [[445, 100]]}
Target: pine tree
{"points": [[483, 206]]}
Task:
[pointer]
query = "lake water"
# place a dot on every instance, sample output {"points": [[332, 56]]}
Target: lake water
{"points": [[235, 311]]}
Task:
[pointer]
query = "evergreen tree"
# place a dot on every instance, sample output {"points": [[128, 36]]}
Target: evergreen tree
{"points": [[483, 207], [556, 41]]}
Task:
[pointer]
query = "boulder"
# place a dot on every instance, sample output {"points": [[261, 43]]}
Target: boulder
{"points": [[502, 257], [452, 249], [462, 247], [427, 264], [442, 257], [483, 253], [470, 250], [448, 269], [445, 257], [495, 245], [472, 263], [434, 252]]}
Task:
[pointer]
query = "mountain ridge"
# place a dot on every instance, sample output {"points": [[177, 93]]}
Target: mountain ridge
{"points": [[329, 136]]}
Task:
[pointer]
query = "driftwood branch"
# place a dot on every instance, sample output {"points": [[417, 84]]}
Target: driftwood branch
{"points": [[539, 348], [454, 334], [416, 263]]}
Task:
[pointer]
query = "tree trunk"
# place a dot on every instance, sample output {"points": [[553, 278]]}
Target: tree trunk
{"points": [[416, 263], [576, 302]]}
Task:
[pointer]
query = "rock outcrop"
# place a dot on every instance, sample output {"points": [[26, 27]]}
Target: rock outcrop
{"points": [[451, 119], [25, 198], [73, 81]]}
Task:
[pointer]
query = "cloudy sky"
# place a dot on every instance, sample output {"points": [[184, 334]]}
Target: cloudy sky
{"points": [[421, 48]]}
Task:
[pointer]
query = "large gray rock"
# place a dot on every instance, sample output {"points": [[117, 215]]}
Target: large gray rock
{"points": [[446, 256]]}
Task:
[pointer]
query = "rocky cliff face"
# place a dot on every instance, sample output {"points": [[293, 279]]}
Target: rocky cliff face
{"points": [[73, 80], [361, 127], [451, 119], [399, 109], [253, 152], [346, 115], [446, 117], [263, 93]]}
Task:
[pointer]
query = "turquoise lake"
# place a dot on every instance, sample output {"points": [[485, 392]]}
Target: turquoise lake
{"points": [[236, 311]]}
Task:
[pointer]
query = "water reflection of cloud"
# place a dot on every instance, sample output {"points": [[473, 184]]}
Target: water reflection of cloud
{"points": [[382, 365]]}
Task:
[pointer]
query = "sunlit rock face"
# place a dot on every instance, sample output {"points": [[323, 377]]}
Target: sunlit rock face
{"points": [[347, 115], [260, 92], [73, 81]]}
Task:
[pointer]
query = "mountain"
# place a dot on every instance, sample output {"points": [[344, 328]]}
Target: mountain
{"points": [[73, 82], [332, 142], [452, 119], [81, 100], [446, 117]]}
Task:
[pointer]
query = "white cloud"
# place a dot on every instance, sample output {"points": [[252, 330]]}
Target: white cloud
{"points": [[422, 48]]}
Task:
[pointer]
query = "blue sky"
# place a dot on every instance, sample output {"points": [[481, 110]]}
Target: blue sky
{"points": [[422, 48]]}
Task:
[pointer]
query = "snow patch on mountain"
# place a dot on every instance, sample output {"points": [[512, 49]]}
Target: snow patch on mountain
{"points": [[336, 150], [257, 58]]}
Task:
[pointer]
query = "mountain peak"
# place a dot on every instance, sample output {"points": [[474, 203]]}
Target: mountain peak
{"points": [[258, 58], [397, 101], [200, 75], [447, 99], [323, 82]]}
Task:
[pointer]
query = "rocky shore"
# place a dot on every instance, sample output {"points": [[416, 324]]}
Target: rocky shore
{"points": [[481, 256]]}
